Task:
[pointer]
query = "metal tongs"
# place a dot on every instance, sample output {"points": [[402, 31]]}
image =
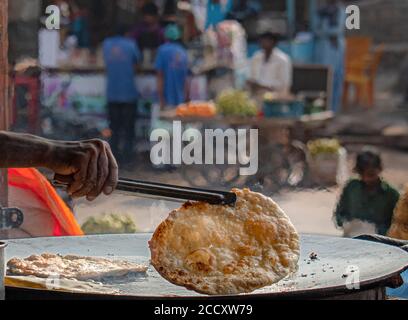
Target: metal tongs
{"points": [[169, 192]]}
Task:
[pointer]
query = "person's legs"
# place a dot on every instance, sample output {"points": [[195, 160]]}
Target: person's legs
{"points": [[129, 119], [114, 112]]}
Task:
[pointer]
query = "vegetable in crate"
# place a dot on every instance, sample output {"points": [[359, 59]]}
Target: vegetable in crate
{"points": [[196, 109], [109, 224], [237, 103], [323, 146]]}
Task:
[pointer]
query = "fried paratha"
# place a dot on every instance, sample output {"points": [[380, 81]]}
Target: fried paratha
{"points": [[221, 250]]}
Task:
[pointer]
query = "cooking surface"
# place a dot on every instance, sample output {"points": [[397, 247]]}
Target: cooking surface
{"points": [[337, 261]]}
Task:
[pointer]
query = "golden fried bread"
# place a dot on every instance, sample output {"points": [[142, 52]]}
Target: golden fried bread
{"points": [[215, 249]]}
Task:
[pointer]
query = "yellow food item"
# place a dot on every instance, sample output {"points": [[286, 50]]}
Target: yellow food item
{"points": [[215, 249]]}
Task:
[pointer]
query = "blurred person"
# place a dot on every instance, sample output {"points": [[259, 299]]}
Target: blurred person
{"points": [[149, 34], [80, 25], [329, 30], [172, 69], [121, 55], [217, 12], [399, 226], [169, 15], [270, 68], [367, 203]]}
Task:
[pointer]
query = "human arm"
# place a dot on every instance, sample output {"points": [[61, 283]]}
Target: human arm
{"points": [[136, 54], [88, 166], [285, 76], [341, 213], [254, 86]]}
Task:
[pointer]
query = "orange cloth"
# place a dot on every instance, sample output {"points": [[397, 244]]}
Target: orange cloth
{"points": [[32, 180]]}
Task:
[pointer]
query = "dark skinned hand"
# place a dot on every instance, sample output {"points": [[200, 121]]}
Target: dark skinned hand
{"points": [[88, 167]]}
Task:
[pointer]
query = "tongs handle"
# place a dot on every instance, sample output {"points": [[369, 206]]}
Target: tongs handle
{"points": [[170, 191], [177, 192]]}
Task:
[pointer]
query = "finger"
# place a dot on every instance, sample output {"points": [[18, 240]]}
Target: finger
{"points": [[103, 172], [64, 179], [80, 175], [88, 185], [90, 182], [112, 180]]}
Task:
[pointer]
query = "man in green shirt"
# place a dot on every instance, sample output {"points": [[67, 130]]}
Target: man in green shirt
{"points": [[369, 199]]}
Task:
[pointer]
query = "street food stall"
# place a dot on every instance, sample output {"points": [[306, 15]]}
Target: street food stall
{"points": [[282, 153], [253, 229]]}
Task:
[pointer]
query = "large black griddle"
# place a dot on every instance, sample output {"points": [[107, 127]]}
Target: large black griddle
{"points": [[324, 277]]}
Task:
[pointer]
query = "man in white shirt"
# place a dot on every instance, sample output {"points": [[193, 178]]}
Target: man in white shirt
{"points": [[271, 68]]}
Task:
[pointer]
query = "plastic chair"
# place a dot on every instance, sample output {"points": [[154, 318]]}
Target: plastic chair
{"points": [[361, 69], [372, 73], [356, 63], [357, 47]]}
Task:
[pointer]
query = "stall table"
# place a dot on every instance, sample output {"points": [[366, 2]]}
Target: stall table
{"points": [[282, 153]]}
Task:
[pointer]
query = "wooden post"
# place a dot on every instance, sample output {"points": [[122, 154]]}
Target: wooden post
{"points": [[4, 92]]}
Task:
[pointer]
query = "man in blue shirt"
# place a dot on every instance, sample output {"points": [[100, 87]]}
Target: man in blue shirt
{"points": [[172, 69], [121, 54]]}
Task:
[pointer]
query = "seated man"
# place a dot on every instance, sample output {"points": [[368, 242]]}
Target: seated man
{"points": [[271, 68]]}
